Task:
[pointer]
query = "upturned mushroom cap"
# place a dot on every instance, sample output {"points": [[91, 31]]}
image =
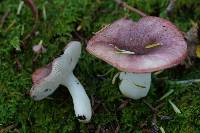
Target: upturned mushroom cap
{"points": [[48, 78], [124, 34]]}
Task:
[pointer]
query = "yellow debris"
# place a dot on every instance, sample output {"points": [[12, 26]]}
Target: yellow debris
{"points": [[153, 45], [104, 27], [198, 51], [121, 51], [158, 72]]}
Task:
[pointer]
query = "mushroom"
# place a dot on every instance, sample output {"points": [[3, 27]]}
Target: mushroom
{"points": [[39, 48], [60, 71], [138, 49]]}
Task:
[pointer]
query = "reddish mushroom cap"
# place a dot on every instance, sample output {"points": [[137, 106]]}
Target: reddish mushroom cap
{"points": [[131, 36]]}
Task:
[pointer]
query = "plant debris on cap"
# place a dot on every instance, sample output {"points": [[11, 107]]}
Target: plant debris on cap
{"points": [[156, 44]]}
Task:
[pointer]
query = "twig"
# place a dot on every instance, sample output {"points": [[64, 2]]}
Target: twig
{"points": [[35, 58], [154, 128], [166, 94], [109, 71], [130, 8], [123, 104], [176, 109], [162, 129], [44, 11], [5, 130], [34, 10], [11, 25], [28, 35], [95, 103], [98, 129], [81, 38], [149, 105], [117, 129], [159, 106], [104, 106], [20, 7], [18, 64], [6, 14], [16, 130], [190, 81], [115, 77], [170, 7]]}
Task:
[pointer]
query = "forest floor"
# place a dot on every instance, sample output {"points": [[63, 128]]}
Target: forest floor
{"points": [[61, 21]]}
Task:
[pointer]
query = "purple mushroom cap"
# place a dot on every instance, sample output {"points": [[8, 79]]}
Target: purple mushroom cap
{"points": [[136, 37]]}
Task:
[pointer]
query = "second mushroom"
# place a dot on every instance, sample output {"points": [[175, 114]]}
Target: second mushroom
{"points": [[60, 71], [137, 49]]}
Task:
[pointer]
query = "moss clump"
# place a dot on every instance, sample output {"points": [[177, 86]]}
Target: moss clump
{"points": [[56, 114]]}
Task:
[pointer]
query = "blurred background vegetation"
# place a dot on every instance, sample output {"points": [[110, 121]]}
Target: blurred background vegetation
{"points": [[67, 20]]}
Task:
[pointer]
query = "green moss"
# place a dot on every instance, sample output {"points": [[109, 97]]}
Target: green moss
{"points": [[57, 114]]}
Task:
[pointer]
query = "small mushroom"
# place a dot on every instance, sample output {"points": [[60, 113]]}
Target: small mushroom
{"points": [[60, 71], [39, 48], [137, 49]]}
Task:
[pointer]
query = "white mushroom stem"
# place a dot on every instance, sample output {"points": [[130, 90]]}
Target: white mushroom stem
{"points": [[135, 85], [81, 101]]}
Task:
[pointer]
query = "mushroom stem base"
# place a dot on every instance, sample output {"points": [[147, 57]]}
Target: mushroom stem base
{"points": [[82, 106], [135, 85]]}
